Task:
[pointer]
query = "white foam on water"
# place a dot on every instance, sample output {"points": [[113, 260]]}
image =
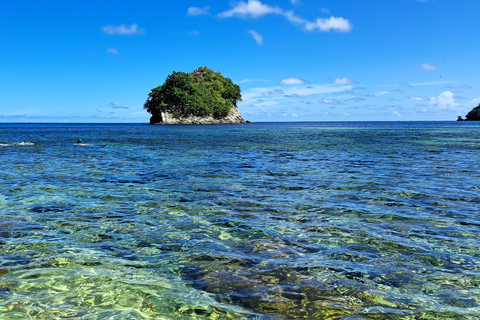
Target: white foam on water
{"points": [[17, 144]]}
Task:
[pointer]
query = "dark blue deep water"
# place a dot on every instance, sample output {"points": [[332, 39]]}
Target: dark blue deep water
{"points": [[373, 220]]}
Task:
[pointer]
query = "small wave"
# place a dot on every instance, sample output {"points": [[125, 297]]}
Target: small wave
{"points": [[17, 144]]}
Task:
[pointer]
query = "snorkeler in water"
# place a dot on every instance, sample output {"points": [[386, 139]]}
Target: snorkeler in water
{"points": [[80, 142]]}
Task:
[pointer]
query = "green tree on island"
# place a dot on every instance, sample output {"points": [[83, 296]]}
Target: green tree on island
{"points": [[202, 92]]}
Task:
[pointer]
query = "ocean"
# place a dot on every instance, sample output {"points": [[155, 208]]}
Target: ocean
{"points": [[310, 220]]}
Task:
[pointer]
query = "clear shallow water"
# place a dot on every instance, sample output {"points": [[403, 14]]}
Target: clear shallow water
{"points": [[264, 221]]}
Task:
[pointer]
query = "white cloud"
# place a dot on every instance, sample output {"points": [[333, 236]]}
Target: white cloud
{"points": [[428, 66], [196, 11], [444, 100], [113, 50], [325, 25], [262, 103], [332, 23], [244, 81], [292, 81], [416, 98], [122, 29], [258, 38], [253, 8], [381, 93], [330, 101], [344, 80]]}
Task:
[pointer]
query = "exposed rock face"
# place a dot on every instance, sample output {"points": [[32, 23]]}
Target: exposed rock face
{"points": [[234, 116]]}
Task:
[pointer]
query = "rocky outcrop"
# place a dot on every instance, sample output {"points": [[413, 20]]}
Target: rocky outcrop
{"points": [[474, 114], [234, 116]]}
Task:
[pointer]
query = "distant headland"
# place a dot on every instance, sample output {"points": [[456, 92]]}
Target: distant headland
{"points": [[473, 115], [199, 97]]}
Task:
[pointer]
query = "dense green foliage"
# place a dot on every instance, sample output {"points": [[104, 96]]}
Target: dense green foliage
{"points": [[199, 93], [474, 114]]}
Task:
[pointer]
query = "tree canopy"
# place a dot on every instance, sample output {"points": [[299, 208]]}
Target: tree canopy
{"points": [[199, 93]]}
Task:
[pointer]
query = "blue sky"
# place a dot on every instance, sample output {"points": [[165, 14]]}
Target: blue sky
{"points": [[295, 60]]}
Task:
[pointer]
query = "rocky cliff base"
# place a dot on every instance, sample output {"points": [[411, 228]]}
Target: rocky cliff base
{"points": [[234, 116]]}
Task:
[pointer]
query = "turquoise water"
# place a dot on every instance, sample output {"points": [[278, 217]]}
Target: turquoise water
{"points": [[262, 221]]}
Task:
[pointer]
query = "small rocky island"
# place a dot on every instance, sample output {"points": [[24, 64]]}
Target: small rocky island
{"points": [[473, 115], [199, 97]]}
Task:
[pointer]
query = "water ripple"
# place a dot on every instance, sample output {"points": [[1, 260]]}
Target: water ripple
{"points": [[265, 221]]}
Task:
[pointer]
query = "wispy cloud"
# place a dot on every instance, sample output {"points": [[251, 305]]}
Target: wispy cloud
{"points": [[258, 38], [112, 105], [113, 51], [325, 10], [292, 81], [331, 101], [196, 11], [381, 93], [417, 98], [431, 83], [123, 29], [292, 91], [428, 66], [342, 81], [321, 24], [256, 9], [357, 99], [263, 103]]}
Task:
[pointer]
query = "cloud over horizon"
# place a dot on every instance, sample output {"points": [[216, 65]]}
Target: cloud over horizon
{"points": [[292, 81], [342, 81], [292, 90]]}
